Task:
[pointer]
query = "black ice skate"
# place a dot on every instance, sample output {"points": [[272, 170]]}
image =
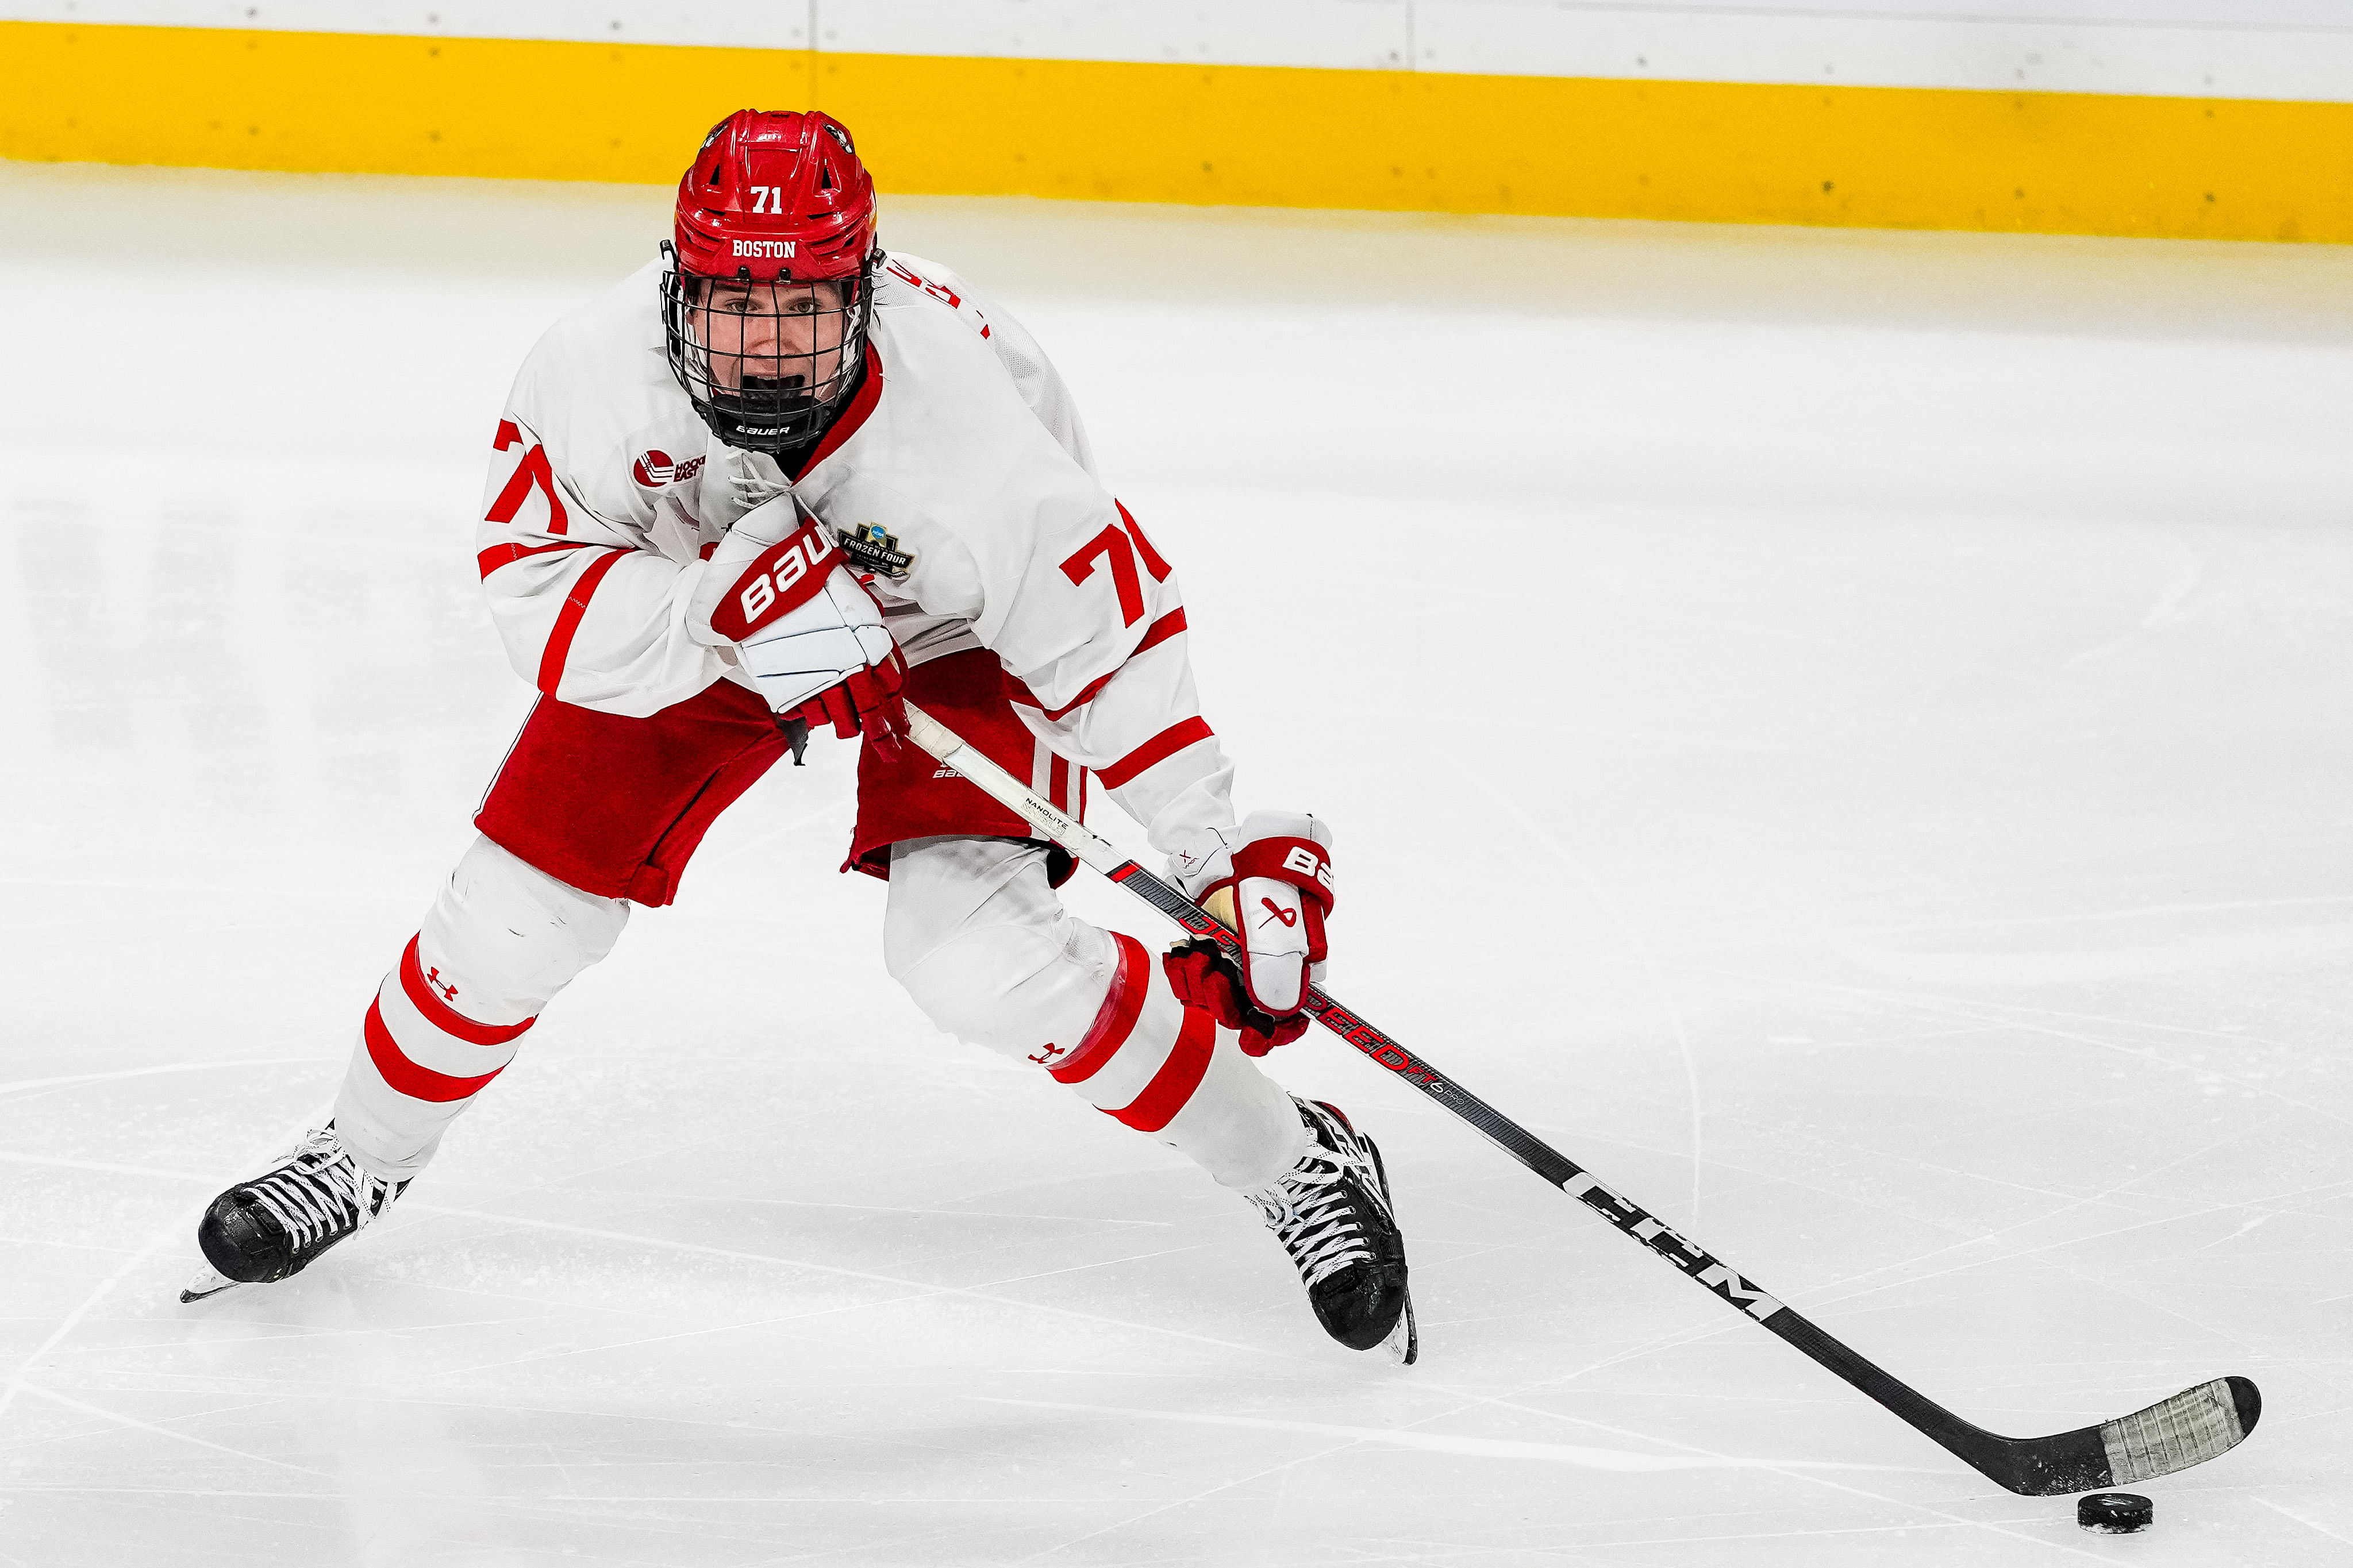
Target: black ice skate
{"points": [[1332, 1215], [279, 1222]]}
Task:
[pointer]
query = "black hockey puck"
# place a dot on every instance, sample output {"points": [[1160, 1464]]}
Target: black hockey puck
{"points": [[2114, 1513]]}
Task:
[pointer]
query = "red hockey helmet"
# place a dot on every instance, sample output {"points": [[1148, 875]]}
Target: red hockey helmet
{"points": [[766, 308], [776, 194]]}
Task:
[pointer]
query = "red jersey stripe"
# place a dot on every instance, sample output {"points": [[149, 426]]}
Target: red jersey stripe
{"points": [[442, 1017], [1178, 1077], [1158, 632], [1158, 749], [1116, 1020], [499, 556], [405, 1077], [567, 621]]}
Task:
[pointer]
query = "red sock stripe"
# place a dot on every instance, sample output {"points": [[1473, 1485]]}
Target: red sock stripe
{"points": [[405, 1077], [1178, 1077], [438, 1013], [1116, 1021]]}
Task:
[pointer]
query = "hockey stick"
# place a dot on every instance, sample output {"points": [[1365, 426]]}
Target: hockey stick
{"points": [[2190, 1428]]}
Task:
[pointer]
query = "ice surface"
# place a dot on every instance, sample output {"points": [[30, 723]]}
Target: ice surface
{"points": [[1847, 734]]}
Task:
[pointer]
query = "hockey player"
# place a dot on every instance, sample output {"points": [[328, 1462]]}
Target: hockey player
{"points": [[781, 477]]}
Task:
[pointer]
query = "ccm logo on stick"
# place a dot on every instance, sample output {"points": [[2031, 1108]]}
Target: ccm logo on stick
{"points": [[784, 577]]}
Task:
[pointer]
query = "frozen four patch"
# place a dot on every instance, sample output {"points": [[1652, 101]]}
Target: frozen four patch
{"points": [[872, 548]]}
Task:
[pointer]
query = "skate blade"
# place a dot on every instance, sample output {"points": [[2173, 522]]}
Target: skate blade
{"points": [[1404, 1343], [208, 1281]]}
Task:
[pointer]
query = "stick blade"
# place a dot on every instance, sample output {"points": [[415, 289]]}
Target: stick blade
{"points": [[2193, 1427]]}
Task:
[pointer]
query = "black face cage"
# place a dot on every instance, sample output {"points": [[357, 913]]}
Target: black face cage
{"points": [[767, 365]]}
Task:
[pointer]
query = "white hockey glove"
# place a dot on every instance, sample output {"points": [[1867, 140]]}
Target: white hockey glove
{"points": [[1271, 881], [804, 628]]}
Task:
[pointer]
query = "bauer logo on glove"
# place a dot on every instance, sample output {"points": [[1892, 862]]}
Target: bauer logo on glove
{"points": [[1305, 860], [804, 628], [779, 580]]}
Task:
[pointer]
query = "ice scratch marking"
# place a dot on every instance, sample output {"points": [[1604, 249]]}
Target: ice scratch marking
{"points": [[667, 1245], [1642, 954], [29, 1083], [132, 1421], [1591, 1458], [2316, 1529]]}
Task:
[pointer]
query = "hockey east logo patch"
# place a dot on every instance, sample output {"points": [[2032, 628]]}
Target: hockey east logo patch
{"points": [[872, 548], [653, 470]]}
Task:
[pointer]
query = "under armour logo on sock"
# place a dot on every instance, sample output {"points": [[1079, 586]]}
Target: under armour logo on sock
{"points": [[448, 993], [1046, 1057]]}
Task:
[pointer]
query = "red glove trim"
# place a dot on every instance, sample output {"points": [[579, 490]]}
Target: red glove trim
{"points": [[780, 580], [1204, 979], [1255, 1044], [867, 703], [1304, 863]]}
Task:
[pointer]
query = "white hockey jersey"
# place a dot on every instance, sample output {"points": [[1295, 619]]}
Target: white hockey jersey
{"points": [[958, 480]]}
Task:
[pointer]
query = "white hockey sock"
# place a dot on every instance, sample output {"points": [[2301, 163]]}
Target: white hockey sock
{"points": [[984, 947], [1152, 1063], [499, 944]]}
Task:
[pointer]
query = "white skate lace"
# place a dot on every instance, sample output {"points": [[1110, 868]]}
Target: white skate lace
{"points": [[1310, 1211], [321, 1192]]}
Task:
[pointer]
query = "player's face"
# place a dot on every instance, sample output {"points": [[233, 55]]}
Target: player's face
{"points": [[771, 336]]}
